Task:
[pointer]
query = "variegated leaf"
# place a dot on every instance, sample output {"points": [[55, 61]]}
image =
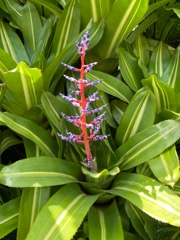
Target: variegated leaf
{"points": [[166, 166], [105, 222], [149, 195], [139, 115], [11, 43], [32, 200], [32, 131], [131, 72], [9, 213], [65, 210], [148, 144], [123, 17], [165, 95], [111, 85], [40, 172], [24, 85]]}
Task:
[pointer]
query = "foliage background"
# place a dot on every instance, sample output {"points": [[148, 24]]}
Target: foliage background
{"points": [[136, 45]]}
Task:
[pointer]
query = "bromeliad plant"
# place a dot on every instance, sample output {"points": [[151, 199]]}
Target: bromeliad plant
{"points": [[83, 103], [51, 193]]}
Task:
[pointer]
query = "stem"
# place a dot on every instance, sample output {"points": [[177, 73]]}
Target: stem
{"points": [[83, 115]]}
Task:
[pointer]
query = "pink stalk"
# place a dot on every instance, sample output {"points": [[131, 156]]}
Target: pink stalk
{"points": [[83, 104]]}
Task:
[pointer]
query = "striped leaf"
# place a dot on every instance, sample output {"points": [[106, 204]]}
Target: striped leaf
{"points": [[166, 166], [95, 10], [130, 70], [8, 139], [147, 144], [172, 73], [2, 92], [136, 220], [150, 196], [9, 216], [165, 95], [160, 59], [64, 211], [50, 5], [43, 40], [24, 85], [139, 115], [123, 17], [32, 131], [118, 108], [111, 85], [32, 200], [31, 27], [104, 222], [142, 27], [141, 49], [11, 43], [6, 62], [67, 28], [15, 10], [53, 107], [40, 172]]}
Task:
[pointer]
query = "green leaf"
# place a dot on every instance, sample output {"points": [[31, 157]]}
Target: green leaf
{"points": [[51, 6], [123, 17], [160, 59], [156, 5], [65, 210], [6, 62], [165, 95], [139, 115], [11, 43], [142, 27], [166, 166], [24, 85], [105, 222], [2, 93], [32, 131], [43, 38], [32, 200], [53, 106], [67, 27], [118, 108], [8, 139], [95, 10], [31, 27], [40, 172], [15, 10], [148, 195], [111, 85], [136, 220], [172, 73], [141, 49], [9, 216], [147, 144], [130, 69]]}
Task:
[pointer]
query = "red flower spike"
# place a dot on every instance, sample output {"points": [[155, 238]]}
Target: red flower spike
{"points": [[88, 130]]}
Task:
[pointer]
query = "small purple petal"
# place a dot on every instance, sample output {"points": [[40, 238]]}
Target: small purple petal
{"points": [[99, 137], [99, 118], [99, 109], [94, 83], [93, 97], [89, 66], [71, 79], [70, 67], [77, 92]]}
